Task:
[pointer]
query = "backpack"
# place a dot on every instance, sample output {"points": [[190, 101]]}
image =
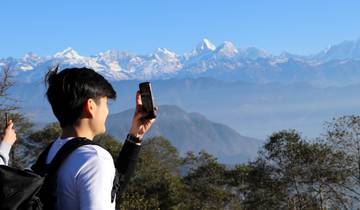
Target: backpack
{"points": [[36, 189]]}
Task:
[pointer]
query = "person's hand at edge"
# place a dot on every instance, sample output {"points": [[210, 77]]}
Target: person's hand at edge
{"points": [[9, 135]]}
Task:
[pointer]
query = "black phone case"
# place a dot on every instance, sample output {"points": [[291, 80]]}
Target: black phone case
{"points": [[147, 100]]}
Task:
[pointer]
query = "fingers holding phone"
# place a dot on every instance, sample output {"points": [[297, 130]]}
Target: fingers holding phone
{"points": [[145, 112]]}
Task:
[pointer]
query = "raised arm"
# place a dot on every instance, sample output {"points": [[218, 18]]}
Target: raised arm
{"points": [[126, 161]]}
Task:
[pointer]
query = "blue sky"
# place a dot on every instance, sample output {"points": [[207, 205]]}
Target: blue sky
{"points": [[301, 27]]}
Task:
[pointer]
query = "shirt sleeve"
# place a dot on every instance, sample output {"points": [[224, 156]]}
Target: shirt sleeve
{"points": [[126, 163], [94, 183], [4, 152]]}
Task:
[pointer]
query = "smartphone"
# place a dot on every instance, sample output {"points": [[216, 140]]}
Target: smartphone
{"points": [[147, 99]]}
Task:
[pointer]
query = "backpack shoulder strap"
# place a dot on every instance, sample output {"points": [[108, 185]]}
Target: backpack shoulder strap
{"points": [[48, 192], [41, 168], [65, 151], [40, 165]]}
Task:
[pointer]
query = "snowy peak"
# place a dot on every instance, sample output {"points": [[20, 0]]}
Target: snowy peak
{"points": [[28, 62], [163, 61], [31, 57], [253, 53], [109, 55], [204, 47], [68, 53], [164, 53], [342, 51], [227, 49]]}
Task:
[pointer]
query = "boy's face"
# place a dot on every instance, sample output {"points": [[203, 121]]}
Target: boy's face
{"points": [[101, 112]]}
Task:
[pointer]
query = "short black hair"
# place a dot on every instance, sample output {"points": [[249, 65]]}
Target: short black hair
{"points": [[69, 89]]}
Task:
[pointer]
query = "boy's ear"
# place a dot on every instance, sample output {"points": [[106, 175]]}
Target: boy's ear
{"points": [[89, 108]]}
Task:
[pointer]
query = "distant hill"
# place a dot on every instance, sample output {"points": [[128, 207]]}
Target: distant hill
{"points": [[191, 132]]}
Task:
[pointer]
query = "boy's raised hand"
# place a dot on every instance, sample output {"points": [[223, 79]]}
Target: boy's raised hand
{"points": [[139, 125], [9, 135]]}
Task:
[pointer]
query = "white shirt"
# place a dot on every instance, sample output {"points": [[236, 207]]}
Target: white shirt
{"points": [[85, 178], [4, 152]]}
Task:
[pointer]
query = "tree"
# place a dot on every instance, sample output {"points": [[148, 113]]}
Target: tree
{"points": [[21, 154], [206, 182], [23, 125], [156, 181], [297, 175], [261, 190], [343, 134], [7, 102], [109, 143]]}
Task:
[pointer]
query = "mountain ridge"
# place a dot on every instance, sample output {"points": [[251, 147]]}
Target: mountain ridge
{"points": [[226, 62], [191, 132]]}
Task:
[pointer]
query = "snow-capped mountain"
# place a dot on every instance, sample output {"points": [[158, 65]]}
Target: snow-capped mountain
{"points": [[342, 51], [227, 49], [204, 47], [339, 64]]}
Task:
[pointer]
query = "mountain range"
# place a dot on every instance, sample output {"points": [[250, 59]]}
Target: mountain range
{"points": [[337, 65], [250, 90]]}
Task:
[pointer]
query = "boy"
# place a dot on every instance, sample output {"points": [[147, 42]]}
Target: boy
{"points": [[78, 97]]}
